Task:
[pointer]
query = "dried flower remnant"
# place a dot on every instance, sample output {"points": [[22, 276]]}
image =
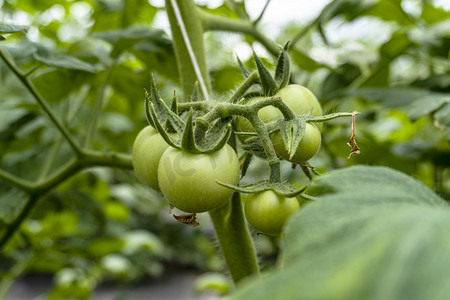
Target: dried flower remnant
{"points": [[352, 142], [188, 219]]}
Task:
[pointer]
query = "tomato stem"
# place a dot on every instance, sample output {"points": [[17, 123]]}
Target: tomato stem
{"points": [[234, 239]]}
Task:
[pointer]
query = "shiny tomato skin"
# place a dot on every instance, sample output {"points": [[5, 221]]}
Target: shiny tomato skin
{"points": [[189, 181], [147, 150], [267, 211]]}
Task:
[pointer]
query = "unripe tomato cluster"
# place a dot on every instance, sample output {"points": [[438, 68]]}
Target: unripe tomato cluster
{"points": [[189, 181], [301, 101]]}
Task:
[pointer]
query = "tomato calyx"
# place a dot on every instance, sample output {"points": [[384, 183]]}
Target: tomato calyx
{"points": [[193, 137]]}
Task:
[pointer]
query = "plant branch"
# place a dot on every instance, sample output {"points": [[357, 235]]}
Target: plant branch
{"points": [[86, 159], [29, 85], [212, 22], [16, 181], [248, 82]]}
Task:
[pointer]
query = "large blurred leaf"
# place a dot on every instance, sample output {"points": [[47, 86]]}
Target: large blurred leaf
{"points": [[12, 202], [125, 39], [11, 28], [432, 14], [374, 234], [56, 84], [110, 15], [66, 62], [390, 10], [350, 9], [304, 61], [225, 79], [398, 97]]}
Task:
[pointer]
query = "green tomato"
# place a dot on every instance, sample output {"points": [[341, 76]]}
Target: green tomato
{"points": [[298, 98], [267, 211], [147, 150], [309, 145], [189, 181]]}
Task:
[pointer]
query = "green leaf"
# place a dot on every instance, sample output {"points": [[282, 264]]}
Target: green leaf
{"points": [[11, 28], [390, 10], [373, 234], [66, 62], [432, 14], [304, 61], [225, 79], [268, 84], [12, 202], [350, 9], [395, 97], [395, 46], [126, 39], [57, 84]]}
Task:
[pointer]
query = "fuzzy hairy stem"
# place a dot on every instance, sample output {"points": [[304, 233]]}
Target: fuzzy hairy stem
{"points": [[229, 222], [234, 239]]}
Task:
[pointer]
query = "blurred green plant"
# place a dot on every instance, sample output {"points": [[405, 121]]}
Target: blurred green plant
{"points": [[72, 84]]}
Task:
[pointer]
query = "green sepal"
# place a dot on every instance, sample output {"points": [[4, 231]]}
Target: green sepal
{"points": [[283, 69], [244, 71], [269, 85], [256, 187], [307, 171], [188, 138], [160, 128], [154, 98], [282, 188], [171, 118], [154, 95], [2, 38], [287, 190], [245, 162], [292, 134], [254, 145], [148, 115], [173, 108], [223, 140], [217, 136], [174, 105]]}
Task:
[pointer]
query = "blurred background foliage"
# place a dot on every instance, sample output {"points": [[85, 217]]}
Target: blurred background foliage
{"points": [[388, 59]]}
